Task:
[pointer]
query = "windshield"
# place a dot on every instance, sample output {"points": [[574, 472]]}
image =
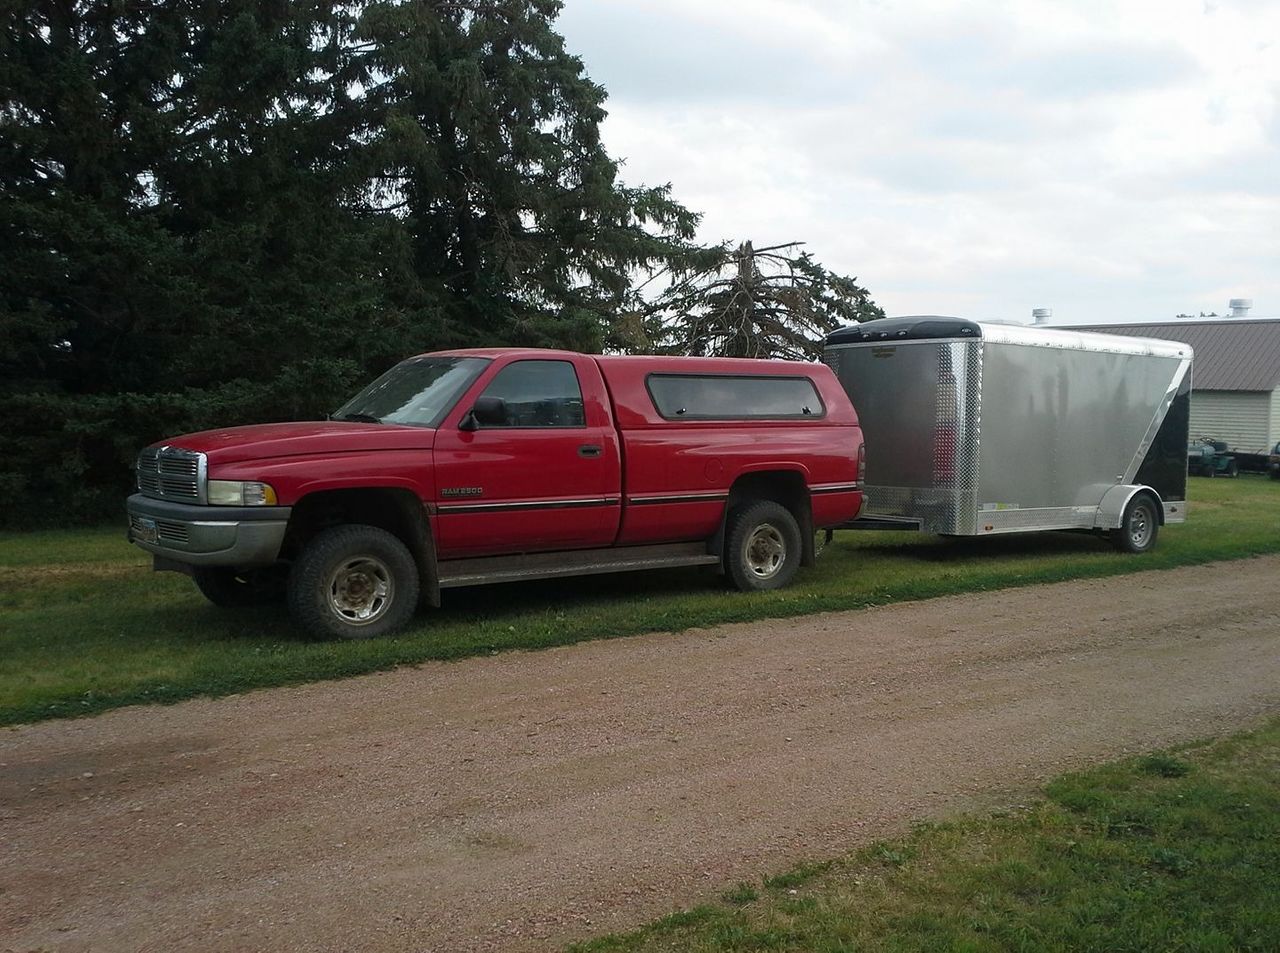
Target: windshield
{"points": [[417, 392]]}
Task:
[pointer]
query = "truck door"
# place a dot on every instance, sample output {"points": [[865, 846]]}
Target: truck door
{"points": [[547, 477]]}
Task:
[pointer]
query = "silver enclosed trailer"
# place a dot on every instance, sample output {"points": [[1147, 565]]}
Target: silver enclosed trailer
{"points": [[975, 429]]}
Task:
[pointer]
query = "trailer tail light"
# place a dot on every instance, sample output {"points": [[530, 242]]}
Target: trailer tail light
{"points": [[862, 464]]}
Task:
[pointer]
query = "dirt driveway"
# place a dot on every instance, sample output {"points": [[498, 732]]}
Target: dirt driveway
{"points": [[527, 799]]}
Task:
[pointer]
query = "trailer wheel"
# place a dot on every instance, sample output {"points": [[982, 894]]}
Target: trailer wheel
{"points": [[1139, 526], [354, 582], [1233, 469], [230, 588], [762, 547]]}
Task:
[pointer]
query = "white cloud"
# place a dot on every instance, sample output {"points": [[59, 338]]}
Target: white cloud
{"points": [[1107, 160]]}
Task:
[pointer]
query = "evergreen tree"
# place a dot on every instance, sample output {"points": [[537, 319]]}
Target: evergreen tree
{"points": [[185, 240], [749, 302], [487, 134], [219, 213]]}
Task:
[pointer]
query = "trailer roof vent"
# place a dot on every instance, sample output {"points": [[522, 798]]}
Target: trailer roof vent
{"points": [[1240, 307], [1041, 315]]}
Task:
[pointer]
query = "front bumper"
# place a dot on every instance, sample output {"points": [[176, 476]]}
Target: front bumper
{"points": [[240, 536]]}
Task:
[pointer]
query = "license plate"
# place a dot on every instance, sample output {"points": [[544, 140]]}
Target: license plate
{"points": [[144, 530]]}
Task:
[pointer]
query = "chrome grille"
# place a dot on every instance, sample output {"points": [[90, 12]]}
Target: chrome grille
{"points": [[169, 473]]}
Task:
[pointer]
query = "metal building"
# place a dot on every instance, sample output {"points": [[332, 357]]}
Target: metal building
{"points": [[1235, 388]]}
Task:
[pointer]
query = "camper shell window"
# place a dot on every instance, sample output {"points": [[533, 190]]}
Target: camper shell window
{"points": [[734, 397]]}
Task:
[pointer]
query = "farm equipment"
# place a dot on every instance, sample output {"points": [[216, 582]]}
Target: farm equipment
{"points": [[1211, 458]]}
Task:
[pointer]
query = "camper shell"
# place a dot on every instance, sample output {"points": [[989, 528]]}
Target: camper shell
{"points": [[975, 428]]}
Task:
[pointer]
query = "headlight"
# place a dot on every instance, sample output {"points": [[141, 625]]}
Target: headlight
{"points": [[236, 493]]}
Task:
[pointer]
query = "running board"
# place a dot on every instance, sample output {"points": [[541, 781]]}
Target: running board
{"points": [[584, 562]]}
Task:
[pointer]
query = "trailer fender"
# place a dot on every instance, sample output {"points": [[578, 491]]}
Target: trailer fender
{"points": [[1114, 501]]}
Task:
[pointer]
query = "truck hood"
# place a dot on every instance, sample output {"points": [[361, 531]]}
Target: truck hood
{"points": [[263, 441]]}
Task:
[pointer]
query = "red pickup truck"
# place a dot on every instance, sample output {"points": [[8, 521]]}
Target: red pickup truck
{"points": [[480, 466]]}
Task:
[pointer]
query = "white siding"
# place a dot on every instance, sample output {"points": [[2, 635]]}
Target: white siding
{"points": [[1244, 419], [1275, 418]]}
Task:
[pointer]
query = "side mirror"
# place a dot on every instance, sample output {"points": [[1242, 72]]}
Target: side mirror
{"points": [[469, 422], [488, 412]]}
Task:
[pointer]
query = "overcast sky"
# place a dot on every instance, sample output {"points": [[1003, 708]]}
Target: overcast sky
{"points": [[1111, 161]]}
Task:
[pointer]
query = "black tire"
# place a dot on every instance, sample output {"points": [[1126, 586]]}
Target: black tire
{"points": [[1139, 526], [1233, 469], [240, 588], [353, 582], [762, 546]]}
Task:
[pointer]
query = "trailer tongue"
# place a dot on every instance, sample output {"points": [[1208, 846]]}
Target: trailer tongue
{"points": [[976, 429]]}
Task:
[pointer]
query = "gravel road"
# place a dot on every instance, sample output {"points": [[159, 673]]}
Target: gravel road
{"points": [[523, 800]]}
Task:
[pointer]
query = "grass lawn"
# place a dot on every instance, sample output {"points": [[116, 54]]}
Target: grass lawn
{"points": [[1173, 851], [85, 626]]}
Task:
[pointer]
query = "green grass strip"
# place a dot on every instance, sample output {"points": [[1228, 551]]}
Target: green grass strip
{"points": [[1174, 851], [86, 627]]}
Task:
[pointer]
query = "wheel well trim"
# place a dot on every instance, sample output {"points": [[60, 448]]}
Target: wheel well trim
{"points": [[801, 507], [1116, 500], [414, 526]]}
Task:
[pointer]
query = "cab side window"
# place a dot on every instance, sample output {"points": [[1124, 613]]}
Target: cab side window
{"points": [[538, 394]]}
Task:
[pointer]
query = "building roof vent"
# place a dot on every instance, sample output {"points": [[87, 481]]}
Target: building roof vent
{"points": [[1041, 315], [1240, 307]]}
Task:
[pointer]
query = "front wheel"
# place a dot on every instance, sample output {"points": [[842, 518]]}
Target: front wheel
{"points": [[1138, 527], [354, 582], [762, 546]]}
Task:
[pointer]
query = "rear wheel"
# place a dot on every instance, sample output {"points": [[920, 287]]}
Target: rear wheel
{"points": [[354, 582], [762, 546], [1138, 527], [240, 588]]}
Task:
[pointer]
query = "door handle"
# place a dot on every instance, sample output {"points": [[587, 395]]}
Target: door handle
{"points": [[590, 450]]}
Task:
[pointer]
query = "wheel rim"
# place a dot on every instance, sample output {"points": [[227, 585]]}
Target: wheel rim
{"points": [[360, 590], [765, 551], [1141, 521]]}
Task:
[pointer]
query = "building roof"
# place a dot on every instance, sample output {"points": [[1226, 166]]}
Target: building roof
{"points": [[1230, 353]]}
